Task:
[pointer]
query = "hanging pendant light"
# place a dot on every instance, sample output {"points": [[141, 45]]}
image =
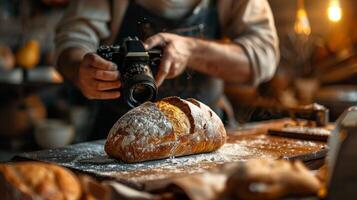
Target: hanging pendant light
{"points": [[302, 24], [334, 11]]}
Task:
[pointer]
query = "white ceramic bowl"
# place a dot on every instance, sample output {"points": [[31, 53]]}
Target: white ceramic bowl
{"points": [[53, 133]]}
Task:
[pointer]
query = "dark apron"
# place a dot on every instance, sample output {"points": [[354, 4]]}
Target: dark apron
{"points": [[190, 84]]}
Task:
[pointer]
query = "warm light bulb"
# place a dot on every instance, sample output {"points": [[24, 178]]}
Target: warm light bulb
{"points": [[334, 11], [302, 24]]}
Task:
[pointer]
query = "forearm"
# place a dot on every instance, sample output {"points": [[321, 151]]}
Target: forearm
{"points": [[68, 64], [224, 60]]}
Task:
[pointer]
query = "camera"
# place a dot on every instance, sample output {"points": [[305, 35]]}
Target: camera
{"points": [[136, 66]]}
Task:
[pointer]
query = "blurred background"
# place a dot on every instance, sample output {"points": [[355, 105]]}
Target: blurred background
{"points": [[318, 41]]}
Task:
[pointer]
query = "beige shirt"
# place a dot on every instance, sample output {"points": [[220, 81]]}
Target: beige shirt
{"points": [[249, 23]]}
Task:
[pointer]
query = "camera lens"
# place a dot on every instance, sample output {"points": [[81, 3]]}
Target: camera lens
{"points": [[142, 92], [138, 89]]}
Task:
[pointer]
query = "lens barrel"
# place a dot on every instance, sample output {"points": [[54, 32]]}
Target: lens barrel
{"points": [[139, 89]]}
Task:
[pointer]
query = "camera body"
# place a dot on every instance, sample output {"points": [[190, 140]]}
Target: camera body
{"points": [[136, 66]]}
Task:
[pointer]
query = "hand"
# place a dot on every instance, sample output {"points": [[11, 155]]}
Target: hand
{"points": [[96, 76], [176, 54]]}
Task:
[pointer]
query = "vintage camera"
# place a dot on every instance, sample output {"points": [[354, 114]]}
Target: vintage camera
{"points": [[136, 66]]}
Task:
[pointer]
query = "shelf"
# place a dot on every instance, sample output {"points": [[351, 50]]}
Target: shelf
{"points": [[37, 76]]}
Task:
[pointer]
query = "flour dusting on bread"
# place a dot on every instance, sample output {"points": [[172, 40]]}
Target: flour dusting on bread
{"points": [[169, 127], [142, 124]]}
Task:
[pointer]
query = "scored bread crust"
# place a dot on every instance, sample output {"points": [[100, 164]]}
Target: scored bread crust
{"points": [[35, 180], [169, 127]]}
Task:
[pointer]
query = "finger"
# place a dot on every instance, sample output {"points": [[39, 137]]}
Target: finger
{"points": [[155, 40], [105, 75], [164, 69], [94, 60], [104, 95], [105, 85]]}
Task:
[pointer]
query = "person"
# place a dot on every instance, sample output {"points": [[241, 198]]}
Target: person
{"points": [[206, 43]]}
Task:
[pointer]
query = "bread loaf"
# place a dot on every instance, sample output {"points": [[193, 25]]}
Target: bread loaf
{"points": [[35, 180], [169, 127], [261, 179]]}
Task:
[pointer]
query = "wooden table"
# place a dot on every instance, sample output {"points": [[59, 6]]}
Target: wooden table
{"points": [[250, 141]]}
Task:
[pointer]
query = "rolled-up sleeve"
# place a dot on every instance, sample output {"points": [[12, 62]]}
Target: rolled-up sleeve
{"points": [[250, 24], [83, 25]]}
